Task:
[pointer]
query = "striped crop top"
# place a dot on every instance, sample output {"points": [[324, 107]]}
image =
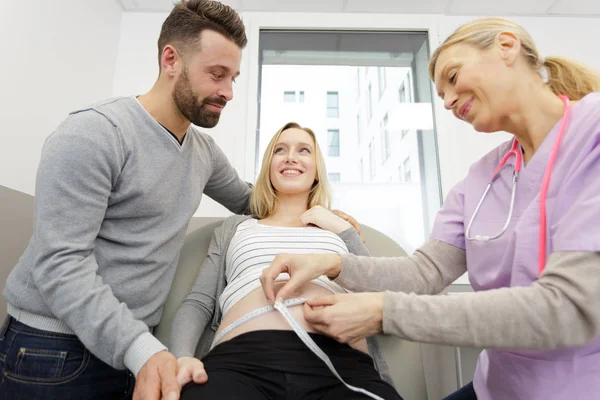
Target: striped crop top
{"points": [[254, 246]]}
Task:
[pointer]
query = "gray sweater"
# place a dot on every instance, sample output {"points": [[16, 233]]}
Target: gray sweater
{"points": [[115, 192], [561, 309], [199, 316]]}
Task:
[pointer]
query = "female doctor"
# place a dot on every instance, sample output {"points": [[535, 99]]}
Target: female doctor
{"points": [[524, 223]]}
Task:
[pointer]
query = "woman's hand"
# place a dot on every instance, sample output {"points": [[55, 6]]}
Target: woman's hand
{"points": [[346, 317], [190, 369], [302, 269], [325, 219]]}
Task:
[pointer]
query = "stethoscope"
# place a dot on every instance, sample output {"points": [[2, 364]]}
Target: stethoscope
{"points": [[516, 151]]}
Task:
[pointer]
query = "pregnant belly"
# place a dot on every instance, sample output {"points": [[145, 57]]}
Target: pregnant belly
{"points": [[273, 320]]}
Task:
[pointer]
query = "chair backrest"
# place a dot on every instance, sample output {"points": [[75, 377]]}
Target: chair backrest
{"points": [[404, 358], [191, 258], [16, 228]]}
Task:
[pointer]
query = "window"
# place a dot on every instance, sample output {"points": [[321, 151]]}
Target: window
{"points": [[349, 70], [358, 86], [385, 140], [402, 93], [333, 106], [406, 166], [371, 161], [381, 80], [333, 142], [358, 131], [369, 105], [362, 170], [289, 97], [334, 176]]}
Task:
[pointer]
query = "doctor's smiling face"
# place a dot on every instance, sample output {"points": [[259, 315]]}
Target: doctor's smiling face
{"points": [[476, 85]]}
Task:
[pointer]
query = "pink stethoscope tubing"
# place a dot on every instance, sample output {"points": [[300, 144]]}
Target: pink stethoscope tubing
{"points": [[514, 150]]}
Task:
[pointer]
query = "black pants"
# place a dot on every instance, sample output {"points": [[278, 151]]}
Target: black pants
{"points": [[465, 393], [277, 365]]}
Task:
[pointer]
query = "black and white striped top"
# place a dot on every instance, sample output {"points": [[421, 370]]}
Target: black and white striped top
{"points": [[254, 246]]}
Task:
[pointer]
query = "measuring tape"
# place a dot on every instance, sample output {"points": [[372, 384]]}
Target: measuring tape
{"points": [[282, 307], [253, 314]]}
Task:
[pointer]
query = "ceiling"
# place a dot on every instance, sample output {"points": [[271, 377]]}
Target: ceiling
{"points": [[585, 8]]}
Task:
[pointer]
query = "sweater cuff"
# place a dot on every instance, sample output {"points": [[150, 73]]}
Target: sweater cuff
{"points": [[140, 351], [347, 273], [395, 308]]}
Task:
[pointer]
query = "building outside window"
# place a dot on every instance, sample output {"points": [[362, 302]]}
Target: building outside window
{"points": [[348, 64]]}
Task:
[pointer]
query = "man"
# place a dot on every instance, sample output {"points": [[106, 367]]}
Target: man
{"points": [[117, 185]]}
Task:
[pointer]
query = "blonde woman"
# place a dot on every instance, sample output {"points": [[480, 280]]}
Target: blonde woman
{"points": [[528, 237], [263, 358]]}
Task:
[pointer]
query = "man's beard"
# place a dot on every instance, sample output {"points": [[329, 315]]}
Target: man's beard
{"points": [[191, 107]]}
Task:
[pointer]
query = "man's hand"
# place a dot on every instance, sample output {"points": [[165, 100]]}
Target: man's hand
{"points": [[190, 369], [157, 379], [325, 219], [351, 220]]}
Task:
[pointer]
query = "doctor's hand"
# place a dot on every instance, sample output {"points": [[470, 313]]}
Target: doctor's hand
{"points": [[302, 269], [346, 317], [325, 219], [190, 369]]}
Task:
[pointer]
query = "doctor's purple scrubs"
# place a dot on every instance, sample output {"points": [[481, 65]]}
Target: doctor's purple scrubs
{"points": [[573, 220]]}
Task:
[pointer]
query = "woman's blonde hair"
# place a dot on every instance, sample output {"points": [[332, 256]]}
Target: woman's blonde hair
{"points": [[564, 76], [264, 197]]}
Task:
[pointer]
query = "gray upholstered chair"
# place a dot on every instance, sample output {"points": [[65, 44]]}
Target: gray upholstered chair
{"points": [[404, 358]]}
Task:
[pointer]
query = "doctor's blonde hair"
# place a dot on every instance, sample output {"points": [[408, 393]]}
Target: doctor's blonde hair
{"points": [[263, 200], [565, 76]]}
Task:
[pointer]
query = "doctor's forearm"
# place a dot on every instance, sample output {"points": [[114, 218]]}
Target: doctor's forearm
{"points": [[429, 270], [561, 309]]}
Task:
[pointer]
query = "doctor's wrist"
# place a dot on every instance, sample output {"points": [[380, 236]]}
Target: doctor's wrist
{"points": [[334, 266]]}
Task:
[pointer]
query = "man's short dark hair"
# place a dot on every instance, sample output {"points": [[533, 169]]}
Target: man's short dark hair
{"points": [[189, 18]]}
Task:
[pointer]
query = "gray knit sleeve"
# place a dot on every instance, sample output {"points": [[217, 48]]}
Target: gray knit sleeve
{"points": [[354, 242], [560, 309], [198, 308], [225, 185], [429, 270], [79, 166]]}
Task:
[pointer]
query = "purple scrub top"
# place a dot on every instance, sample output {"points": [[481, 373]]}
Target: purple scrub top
{"points": [[573, 220]]}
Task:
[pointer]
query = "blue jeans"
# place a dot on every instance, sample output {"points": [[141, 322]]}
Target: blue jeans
{"points": [[38, 364], [465, 393]]}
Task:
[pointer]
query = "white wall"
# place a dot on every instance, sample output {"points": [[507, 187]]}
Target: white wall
{"points": [[459, 144], [56, 56], [61, 55]]}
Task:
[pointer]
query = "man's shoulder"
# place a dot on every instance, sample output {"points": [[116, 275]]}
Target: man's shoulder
{"points": [[108, 108], [98, 125]]}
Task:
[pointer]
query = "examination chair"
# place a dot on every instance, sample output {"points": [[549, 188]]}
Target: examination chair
{"points": [[404, 358]]}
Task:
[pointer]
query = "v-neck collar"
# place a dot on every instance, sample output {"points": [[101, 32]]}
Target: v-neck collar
{"points": [[180, 146], [530, 179]]}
